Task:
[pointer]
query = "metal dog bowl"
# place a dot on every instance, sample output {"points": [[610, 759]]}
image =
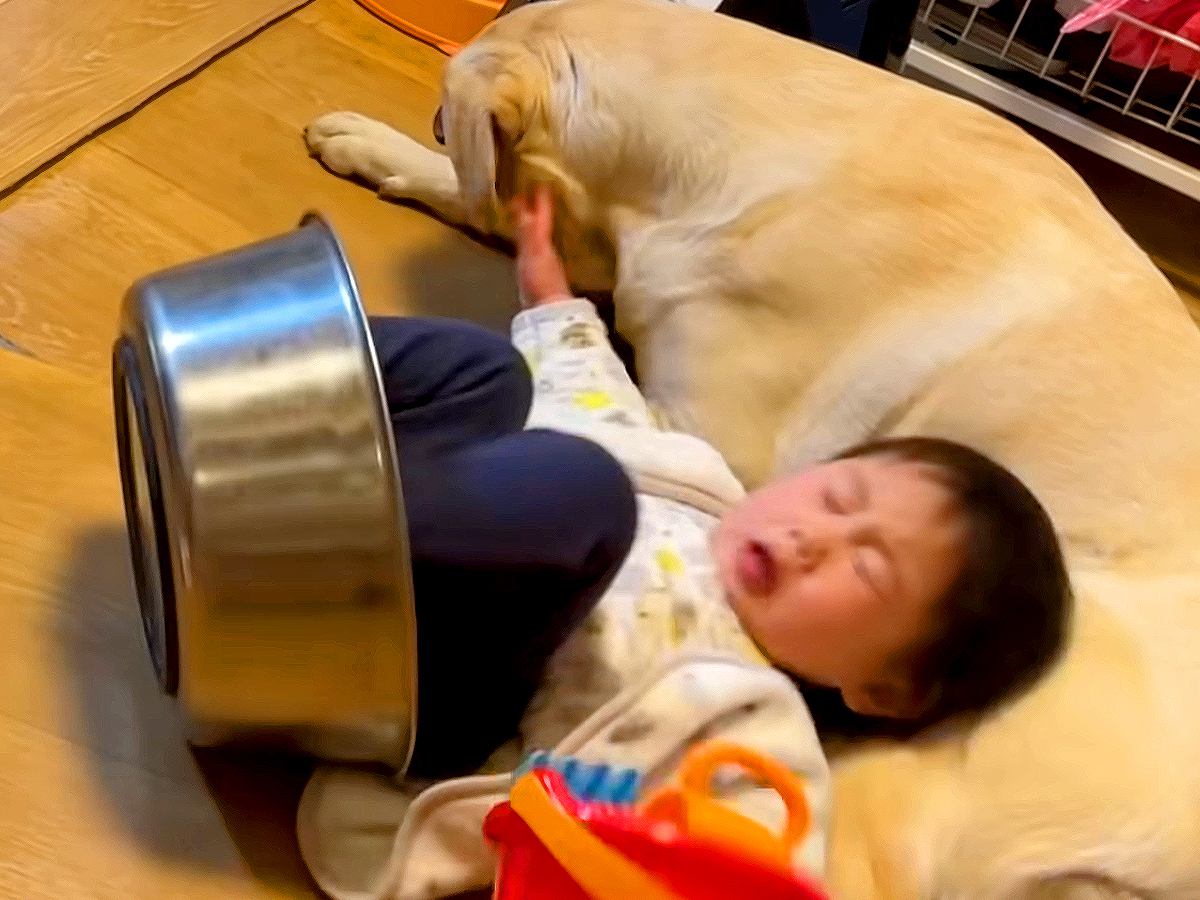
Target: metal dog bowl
{"points": [[262, 500]]}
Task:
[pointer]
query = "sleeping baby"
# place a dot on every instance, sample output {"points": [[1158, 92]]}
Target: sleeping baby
{"points": [[590, 584]]}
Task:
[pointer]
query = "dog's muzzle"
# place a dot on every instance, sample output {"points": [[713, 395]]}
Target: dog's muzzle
{"points": [[439, 134]]}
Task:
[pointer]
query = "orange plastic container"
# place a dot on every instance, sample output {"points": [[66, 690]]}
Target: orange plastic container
{"points": [[681, 844], [612, 854], [446, 24]]}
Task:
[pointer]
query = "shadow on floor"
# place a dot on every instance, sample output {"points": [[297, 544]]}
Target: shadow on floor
{"points": [[443, 281], [257, 796], [158, 789], [453, 279]]}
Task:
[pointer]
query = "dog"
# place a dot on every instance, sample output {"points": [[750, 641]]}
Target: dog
{"points": [[806, 252]]}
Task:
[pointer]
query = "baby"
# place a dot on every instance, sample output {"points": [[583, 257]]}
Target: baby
{"points": [[592, 584], [914, 576]]}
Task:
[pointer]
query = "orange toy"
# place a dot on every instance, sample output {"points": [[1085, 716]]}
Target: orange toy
{"points": [[572, 831], [691, 809], [446, 24]]}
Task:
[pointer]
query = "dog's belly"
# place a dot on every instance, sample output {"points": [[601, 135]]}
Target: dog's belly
{"points": [[1090, 775]]}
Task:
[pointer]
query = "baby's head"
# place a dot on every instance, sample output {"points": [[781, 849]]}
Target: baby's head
{"points": [[915, 576]]}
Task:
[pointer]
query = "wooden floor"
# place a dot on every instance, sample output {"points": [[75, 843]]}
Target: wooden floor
{"points": [[98, 797], [67, 69]]}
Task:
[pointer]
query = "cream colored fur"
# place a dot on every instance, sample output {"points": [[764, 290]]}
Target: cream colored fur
{"points": [[805, 252]]}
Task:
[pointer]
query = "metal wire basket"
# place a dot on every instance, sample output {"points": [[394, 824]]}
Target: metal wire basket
{"points": [[1080, 63]]}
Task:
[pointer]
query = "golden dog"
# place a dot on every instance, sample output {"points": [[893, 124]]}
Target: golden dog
{"points": [[806, 252]]}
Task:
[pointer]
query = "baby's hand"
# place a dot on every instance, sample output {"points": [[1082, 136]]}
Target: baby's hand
{"points": [[540, 273]]}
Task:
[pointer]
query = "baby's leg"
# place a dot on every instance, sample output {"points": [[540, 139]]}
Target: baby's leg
{"points": [[449, 383], [514, 540], [514, 534]]}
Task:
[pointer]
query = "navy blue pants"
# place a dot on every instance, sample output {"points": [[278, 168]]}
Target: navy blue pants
{"points": [[514, 534]]}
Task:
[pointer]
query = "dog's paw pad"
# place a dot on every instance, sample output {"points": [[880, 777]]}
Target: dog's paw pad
{"points": [[351, 144]]}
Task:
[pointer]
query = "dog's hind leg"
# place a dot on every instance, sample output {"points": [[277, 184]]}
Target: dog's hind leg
{"points": [[397, 166]]}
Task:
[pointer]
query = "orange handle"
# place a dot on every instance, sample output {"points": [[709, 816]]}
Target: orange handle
{"points": [[701, 764], [693, 810], [602, 872]]}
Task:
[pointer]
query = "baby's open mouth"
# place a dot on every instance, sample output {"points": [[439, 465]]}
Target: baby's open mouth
{"points": [[756, 569]]}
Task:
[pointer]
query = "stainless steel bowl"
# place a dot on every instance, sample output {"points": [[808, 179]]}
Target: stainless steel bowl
{"points": [[262, 501]]}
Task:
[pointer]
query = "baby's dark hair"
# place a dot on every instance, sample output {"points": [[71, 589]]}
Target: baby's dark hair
{"points": [[1005, 619]]}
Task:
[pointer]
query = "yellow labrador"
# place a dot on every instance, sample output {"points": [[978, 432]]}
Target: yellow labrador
{"points": [[806, 252]]}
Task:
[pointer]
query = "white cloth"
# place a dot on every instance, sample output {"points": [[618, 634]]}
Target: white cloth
{"points": [[661, 663]]}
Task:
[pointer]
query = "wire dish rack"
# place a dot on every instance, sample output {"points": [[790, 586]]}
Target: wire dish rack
{"points": [[1013, 56]]}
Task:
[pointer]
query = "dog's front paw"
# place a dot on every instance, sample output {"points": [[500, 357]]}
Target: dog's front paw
{"points": [[352, 144]]}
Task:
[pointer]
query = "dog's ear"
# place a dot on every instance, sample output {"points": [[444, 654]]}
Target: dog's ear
{"points": [[485, 160], [491, 114], [504, 150]]}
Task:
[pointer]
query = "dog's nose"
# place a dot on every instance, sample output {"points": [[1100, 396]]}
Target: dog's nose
{"points": [[438, 134]]}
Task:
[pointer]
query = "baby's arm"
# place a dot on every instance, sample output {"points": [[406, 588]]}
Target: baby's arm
{"points": [[577, 376]]}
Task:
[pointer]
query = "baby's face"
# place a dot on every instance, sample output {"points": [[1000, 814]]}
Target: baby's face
{"points": [[835, 572]]}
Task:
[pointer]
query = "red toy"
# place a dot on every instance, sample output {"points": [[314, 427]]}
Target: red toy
{"points": [[679, 845]]}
